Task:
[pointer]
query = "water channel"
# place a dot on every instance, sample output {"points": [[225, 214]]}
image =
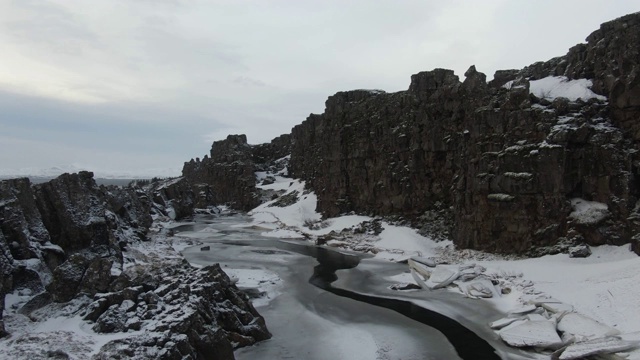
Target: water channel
{"points": [[336, 305]]}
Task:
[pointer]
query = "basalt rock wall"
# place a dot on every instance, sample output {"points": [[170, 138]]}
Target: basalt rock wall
{"points": [[517, 169], [512, 166]]}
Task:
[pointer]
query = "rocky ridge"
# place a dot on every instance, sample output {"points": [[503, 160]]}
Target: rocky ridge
{"points": [[229, 172], [71, 245], [516, 167]]}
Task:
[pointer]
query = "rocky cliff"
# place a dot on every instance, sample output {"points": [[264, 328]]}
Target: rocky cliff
{"points": [[70, 242], [516, 164], [506, 160]]}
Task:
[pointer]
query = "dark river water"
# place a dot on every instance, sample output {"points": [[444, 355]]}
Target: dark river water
{"points": [[335, 305]]}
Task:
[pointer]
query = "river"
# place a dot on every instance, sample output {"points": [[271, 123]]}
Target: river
{"points": [[336, 305]]}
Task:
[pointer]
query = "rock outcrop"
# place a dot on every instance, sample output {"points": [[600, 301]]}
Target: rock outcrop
{"points": [[264, 154], [229, 171], [506, 160], [177, 199], [6, 278], [67, 242], [199, 312]]}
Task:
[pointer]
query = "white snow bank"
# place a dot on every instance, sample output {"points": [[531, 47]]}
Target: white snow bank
{"points": [[300, 219], [604, 286], [408, 241], [560, 86]]}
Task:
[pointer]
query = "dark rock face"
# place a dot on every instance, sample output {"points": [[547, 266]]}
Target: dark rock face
{"points": [[266, 153], [506, 162], [20, 219], [132, 206], [176, 197], [6, 278], [229, 172], [199, 311], [73, 211], [611, 58], [82, 273], [227, 176]]}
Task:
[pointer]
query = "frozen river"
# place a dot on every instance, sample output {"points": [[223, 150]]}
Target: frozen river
{"points": [[333, 305]]}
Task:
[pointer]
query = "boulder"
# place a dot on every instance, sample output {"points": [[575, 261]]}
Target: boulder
{"points": [[82, 272], [580, 251]]}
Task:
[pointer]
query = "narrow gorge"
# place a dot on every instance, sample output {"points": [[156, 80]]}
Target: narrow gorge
{"points": [[496, 163]]}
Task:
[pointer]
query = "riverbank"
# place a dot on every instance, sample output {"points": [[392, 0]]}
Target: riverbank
{"points": [[604, 286]]}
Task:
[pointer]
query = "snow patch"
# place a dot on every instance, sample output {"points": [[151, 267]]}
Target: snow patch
{"points": [[588, 212], [560, 86]]}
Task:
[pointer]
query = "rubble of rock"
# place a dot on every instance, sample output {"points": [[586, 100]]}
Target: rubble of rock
{"points": [[550, 326], [72, 241], [542, 324], [471, 279], [199, 312]]}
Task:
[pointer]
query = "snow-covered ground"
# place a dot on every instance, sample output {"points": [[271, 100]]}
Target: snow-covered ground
{"points": [[58, 327], [604, 286]]}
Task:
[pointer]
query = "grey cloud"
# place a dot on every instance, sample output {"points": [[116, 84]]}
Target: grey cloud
{"points": [[49, 25], [190, 55], [247, 81], [174, 75]]}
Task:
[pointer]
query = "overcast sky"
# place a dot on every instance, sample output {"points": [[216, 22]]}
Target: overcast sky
{"points": [[128, 85]]}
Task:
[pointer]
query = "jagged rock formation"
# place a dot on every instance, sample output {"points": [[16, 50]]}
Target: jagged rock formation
{"points": [[64, 235], [199, 311], [264, 154], [230, 171], [177, 199], [68, 240]]}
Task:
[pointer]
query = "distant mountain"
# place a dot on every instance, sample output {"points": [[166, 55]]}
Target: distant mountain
{"points": [[34, 172]]}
